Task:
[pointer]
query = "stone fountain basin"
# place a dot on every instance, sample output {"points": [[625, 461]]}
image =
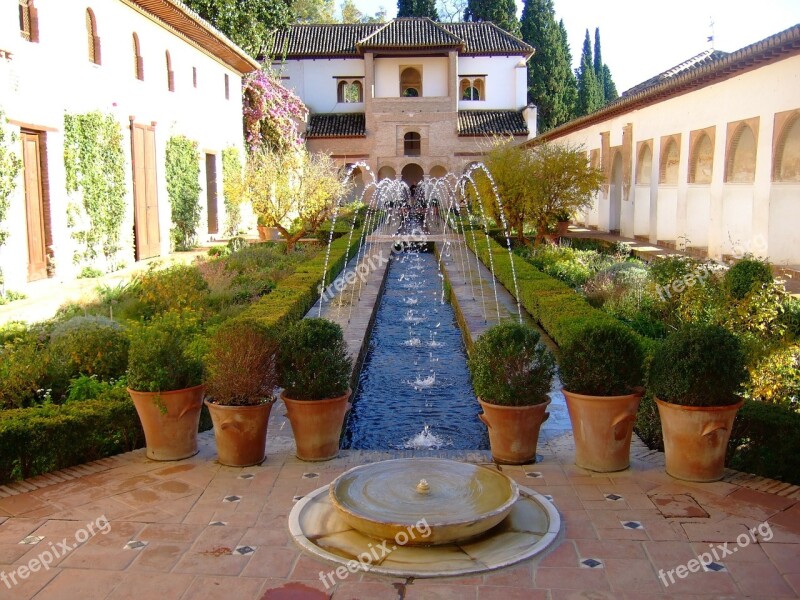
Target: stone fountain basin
{"points": [[382, 500]]}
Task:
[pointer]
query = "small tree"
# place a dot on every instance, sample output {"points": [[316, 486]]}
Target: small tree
{"points": [[292, 191], [232, 189], [183, 188], [560, 180]]}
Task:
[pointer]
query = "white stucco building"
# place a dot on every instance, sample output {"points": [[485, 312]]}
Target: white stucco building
{"points": [[156, 67], [705, 155], [410, 97]]}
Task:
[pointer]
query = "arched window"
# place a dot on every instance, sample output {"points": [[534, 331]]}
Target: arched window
{"points": [[702, 160], [741, 163], [472, 88], [669, 163], [410, 82], [350, 91], [644, 165], [138, 61], [92, 38], [28, 21], [411, 144], [170, 72], [787, 153]]}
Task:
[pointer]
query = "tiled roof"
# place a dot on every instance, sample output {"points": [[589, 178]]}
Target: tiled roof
{"points": [[485, 37], [333, 125], [417, 32], [488, 122], [769, 50], [704, 58], [307, 41], [321, 40]]}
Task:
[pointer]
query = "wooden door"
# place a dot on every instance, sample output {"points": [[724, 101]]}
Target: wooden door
{"points": [[145, 192], [34, 206], [211, 193]]}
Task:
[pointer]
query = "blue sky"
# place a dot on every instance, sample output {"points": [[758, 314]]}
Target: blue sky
{"points": [[641, 38]]}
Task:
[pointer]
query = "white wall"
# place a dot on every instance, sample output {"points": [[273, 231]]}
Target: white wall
{"points": [[745, 213], [314, 81], [45, 80], [502, 85], [435, 76]]}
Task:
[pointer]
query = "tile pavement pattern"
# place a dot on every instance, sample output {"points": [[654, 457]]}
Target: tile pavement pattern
{"points": [[173, 535]]}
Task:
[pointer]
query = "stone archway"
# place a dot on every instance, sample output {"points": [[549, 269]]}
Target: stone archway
{"points": [[386, 172], [412, 174], [438, 171]]}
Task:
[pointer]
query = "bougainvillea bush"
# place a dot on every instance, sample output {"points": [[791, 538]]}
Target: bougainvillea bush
{"points": [[271, 113]]}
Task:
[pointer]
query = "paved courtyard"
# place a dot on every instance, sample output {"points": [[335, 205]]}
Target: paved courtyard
{"points": [[194, 529]]}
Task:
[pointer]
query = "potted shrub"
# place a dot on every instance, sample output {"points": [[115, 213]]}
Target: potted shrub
{"points": [[696, 376], [241, 377], [562, 223], [512, 373], [315, 369], [602, 372], [164, 382]]}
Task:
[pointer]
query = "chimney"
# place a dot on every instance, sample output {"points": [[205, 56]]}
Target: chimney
{"points": [[529, 113]]}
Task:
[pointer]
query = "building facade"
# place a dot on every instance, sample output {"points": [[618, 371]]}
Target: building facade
{"points": [[411, 98], [705, 155], [158, 70]]}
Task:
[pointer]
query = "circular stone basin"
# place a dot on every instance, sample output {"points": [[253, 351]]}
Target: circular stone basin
{"points": [[455, 502]]}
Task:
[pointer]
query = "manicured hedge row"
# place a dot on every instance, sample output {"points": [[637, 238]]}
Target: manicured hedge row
{"points": [[42, 439], [560, 311], [296, 294], [765, 438]]}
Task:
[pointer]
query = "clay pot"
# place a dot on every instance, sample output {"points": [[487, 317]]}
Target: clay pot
{"points": [[602, 428], [695, 439], [514, 431], [263, 233], [317, 425], [240, 433], [170, 421], [562, 228]]}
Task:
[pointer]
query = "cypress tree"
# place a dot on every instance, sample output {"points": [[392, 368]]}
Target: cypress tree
{"points": [[502, 13], [571, 89], [417, 8], [598, 62], [610, 90], [590, 96], [549, 71]]}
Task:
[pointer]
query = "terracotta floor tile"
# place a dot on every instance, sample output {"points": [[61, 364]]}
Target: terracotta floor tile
{"points": [[619, 533], [132, 586], [158, 557], [356, 590], [733, 552], [211, 563], [584, 595], [307, 568], [14, 529], [274, 563], [603, 550], [580, 531], [785, 557], [724, 531], [769, 501], [588, 492], [74, 584], [627, 574], [172, 532], [793, 579], [422, 589], [759, 579], [514, 576], [266, 536], [224, 588], [486, 592], [214, 537], [789, 518], [19, 588], [564, 555], [573, 578]]}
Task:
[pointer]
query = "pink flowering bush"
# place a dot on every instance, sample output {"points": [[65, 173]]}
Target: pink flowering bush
{"points": [[271, 113]]}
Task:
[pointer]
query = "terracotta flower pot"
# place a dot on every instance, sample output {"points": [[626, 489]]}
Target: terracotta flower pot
{"points": [[695, 439], [562, 228], [240, 433], [317, 425], [602, 428], [513, 431], [263, 233], [170, 421]]}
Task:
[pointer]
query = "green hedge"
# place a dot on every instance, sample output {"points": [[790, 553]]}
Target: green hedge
{"points": [[765, 438], [295, 295]]}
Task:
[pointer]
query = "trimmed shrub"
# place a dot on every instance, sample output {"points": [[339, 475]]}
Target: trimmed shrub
{"points": [[510, 366], [603, 360], [700, 365], [86, 346], [23, 370], [764, 440], [179, 288], [160, 359], [746, 274], [313, 361]]}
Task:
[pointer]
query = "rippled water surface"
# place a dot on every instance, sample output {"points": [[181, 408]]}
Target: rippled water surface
{"points": [[414, 389]]}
